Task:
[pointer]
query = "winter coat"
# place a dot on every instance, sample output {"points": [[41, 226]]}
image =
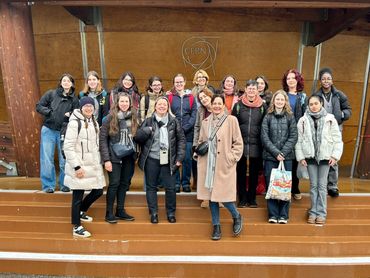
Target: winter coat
{"points": [[250, 121], [53, 105], [342, 111], [331, 140], [104, 105], [82, 150], [185, 113], [144, 137], [106, 140], [300, 106], [266, 96], [279, 135], [229, 152]]}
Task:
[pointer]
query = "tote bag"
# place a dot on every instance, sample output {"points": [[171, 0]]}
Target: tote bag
{"points": [[280, 185]]}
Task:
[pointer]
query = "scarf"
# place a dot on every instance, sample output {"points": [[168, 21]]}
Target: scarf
{"points": [[256, 103], [212, 151], [163, 132], [316, 121], [228, 92]]}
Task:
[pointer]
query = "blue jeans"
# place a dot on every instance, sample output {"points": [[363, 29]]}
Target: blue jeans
{"points": [[49, 140], [215, 211], [318, 174], [276, 208], [186, 168]]}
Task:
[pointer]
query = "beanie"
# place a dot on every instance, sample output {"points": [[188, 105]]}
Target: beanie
{"points": [[325, 70], [86, 100]]}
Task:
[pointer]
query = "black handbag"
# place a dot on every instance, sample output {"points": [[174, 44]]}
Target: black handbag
{"points": [[124, 147], [202, 148]]}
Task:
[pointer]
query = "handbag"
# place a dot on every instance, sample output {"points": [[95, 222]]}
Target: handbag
{"points": [[124, 147], [280, 185], [202, 148]]}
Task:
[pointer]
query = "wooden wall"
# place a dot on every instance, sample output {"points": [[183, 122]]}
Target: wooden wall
{"points": [[148, 41]]}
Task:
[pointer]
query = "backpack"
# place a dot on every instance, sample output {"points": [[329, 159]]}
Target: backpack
{"points": [[63, 132], [146, 104], [191, 99]]}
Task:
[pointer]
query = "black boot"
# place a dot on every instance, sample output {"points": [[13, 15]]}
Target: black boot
{"points": [[237, 225], [216, 235], [121, 214]]}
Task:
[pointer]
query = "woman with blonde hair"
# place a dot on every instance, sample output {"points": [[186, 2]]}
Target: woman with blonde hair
{"points": [[200, 81], [279, 136]]}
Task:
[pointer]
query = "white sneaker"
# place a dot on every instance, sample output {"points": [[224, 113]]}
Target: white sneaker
{"points": [[273, 220], [80, 232], [283, 221], [85, 218]]}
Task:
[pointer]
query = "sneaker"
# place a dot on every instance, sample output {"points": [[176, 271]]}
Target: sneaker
{"points": [[122, 215], [297, 196], [177, 188], [49, 190], [311, 219], [84, 217], [282, 221], [333, 192], [186, 189], [80, 231], [320, 220], [273, 220], [242, 204], [65, 189]]}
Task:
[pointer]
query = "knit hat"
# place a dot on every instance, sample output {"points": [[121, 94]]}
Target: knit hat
{"points": [[325, 70], [86, 100]]}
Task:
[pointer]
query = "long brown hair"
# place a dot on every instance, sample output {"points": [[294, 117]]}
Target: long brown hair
{"points": [[114, 123], [99, 87], [287, 109]]}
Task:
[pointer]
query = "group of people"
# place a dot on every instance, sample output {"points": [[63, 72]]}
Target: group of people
{"points": [[224, 137]]}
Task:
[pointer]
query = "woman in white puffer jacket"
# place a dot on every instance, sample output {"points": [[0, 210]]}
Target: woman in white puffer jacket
{"points": [[319, 146], [83, 170]]}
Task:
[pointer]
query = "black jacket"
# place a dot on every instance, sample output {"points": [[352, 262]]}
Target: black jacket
{"points": [[300, 106], [144, 137], [340, 104], [106, 140], [279, 135], [250, 119], [53, 105]]}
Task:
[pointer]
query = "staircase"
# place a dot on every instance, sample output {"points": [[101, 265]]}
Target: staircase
{"points": [[36, 238]]}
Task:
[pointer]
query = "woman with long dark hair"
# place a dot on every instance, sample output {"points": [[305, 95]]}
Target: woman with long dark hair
{"points": [[127, 84]]}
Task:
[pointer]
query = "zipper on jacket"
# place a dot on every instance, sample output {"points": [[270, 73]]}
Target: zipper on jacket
{"points": [[82, 150], [249, 130]]}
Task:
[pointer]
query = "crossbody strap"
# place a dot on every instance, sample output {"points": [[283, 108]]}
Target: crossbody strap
{"points": [[219, 124]]}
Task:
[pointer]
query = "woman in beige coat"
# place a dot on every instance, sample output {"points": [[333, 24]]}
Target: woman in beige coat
{"points": [[83, 169], [217, 169]]}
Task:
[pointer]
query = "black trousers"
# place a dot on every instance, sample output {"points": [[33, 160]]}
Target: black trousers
{"points": [[295, 179], [255, 165], [153, 171], [119, 183], [79, 203]]}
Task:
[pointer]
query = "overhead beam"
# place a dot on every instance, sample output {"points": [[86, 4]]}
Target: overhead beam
{"points": [[330, 4], [337, 21]]}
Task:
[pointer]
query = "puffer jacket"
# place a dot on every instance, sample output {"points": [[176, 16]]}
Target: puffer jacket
{"points": [[53, 105], [279, 135], [82, 150], [106, 140], [340, 104], [331, 140], [250, 120], [144, 137]]}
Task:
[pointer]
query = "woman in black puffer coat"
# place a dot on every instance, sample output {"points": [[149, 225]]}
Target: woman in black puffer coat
{"points": [[162, 143], [279, 135]]}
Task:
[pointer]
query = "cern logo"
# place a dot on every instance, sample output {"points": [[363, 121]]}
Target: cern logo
{"points": [[200, 52]]}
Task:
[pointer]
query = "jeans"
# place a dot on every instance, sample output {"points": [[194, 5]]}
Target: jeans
{"points": [[333, 177], [276, 208], [255, 165], [295, 179], [215, 211], [318, 174], [119, 183], [49, 140], [153, 171], [83, 204], [186, 168]]}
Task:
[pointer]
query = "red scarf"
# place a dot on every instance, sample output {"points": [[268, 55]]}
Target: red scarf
{"points": [[256, 103]]}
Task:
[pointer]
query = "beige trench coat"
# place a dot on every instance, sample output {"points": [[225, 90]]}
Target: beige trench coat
{"points": [[229, 151]]}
